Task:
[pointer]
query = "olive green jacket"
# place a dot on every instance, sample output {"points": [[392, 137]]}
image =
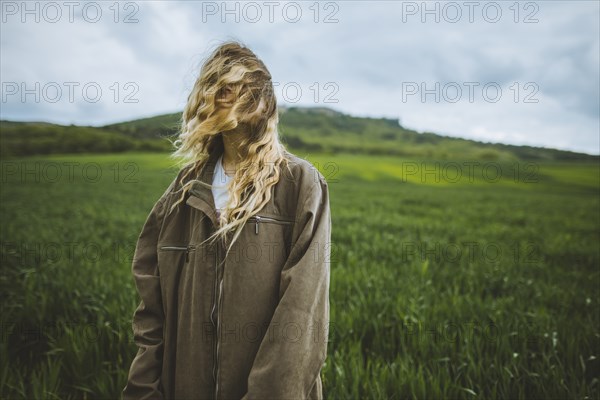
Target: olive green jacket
{"points": [[253, 325]]}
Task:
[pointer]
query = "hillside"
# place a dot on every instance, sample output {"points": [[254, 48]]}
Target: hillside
{"points": [[315, 129]]}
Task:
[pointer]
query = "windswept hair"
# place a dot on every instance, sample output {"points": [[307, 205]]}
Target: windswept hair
{"points": [[234, 68]]}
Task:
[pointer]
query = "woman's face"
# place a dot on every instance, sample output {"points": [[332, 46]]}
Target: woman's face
{"points": [[227, 100], [252, 116]]}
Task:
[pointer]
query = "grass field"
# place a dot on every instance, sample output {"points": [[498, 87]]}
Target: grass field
{"points": [[448, 280]]}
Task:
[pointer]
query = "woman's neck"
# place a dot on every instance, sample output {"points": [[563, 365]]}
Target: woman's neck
{"points": [[232, 155]]}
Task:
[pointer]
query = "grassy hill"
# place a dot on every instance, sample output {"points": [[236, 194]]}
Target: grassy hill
{"points": [[39, 138], [312, 129]]}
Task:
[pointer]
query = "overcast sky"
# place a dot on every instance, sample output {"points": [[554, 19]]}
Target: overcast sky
{"points": [[520, 73]]}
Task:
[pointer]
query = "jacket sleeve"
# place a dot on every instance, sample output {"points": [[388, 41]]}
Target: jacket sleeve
{"points": [[145, 372], [293, 350]]}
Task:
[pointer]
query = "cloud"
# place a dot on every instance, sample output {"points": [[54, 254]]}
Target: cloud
{"points": [[359, 62]]}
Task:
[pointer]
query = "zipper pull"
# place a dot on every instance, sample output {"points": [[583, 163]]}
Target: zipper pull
{"points": [[187, 253], [257, 221]]}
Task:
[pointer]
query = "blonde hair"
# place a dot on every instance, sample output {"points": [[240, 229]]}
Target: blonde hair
{"points": [[233, 67]]}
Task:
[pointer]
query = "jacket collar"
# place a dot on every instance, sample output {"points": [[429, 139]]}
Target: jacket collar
{"points": [[200, 196]]}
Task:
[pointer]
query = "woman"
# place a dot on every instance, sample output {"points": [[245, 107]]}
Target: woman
{"points": [[232, 264]]}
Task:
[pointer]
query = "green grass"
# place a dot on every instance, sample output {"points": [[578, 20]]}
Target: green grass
{"points": [[440, 287]]}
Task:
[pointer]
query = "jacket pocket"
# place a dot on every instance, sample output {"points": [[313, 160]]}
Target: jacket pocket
{"points": [[185, 248], [260, 219]]}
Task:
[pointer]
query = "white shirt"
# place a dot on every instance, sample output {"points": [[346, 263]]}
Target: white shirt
{"points": [[219, 190]]}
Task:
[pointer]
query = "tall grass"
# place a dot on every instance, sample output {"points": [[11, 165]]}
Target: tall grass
{"points": [[439, 289]]}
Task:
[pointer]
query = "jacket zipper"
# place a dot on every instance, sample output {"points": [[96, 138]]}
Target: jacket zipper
{"points": [[187, 250], [219, 301], [258, 218], [212, 313]]}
